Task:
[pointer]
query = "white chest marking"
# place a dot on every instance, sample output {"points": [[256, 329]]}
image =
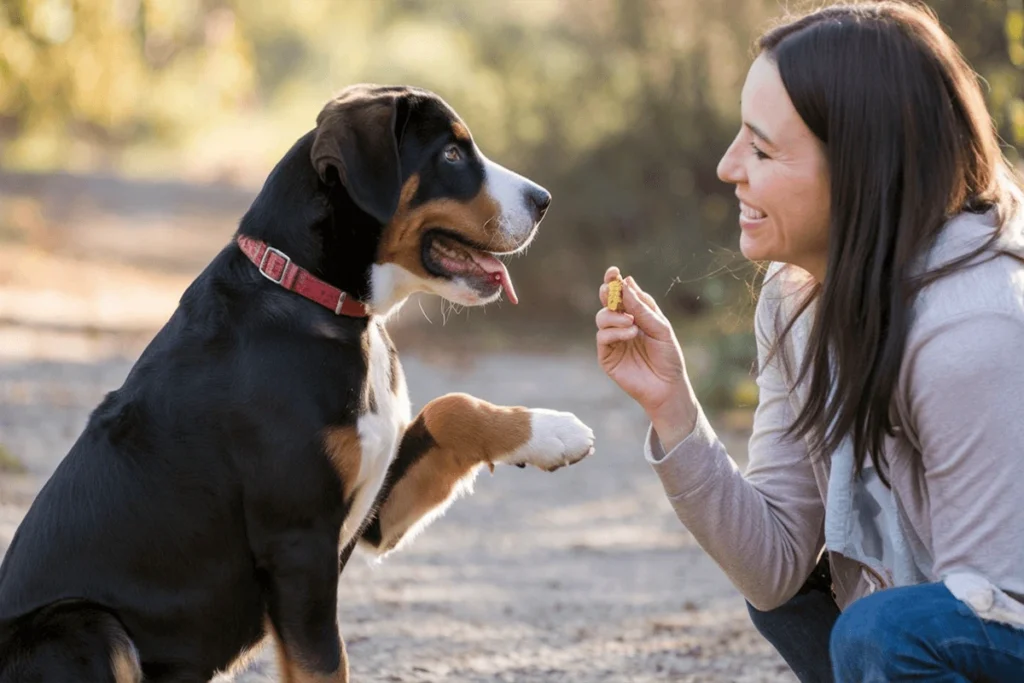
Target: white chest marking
{"points": [[380, 432]]}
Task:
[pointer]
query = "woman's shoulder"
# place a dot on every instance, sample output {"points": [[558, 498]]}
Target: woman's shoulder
{"points": [[784, 288], [968, 326], [783, 291], [990, 283]]}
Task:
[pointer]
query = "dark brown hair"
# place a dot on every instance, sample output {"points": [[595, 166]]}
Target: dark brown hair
{"points": [[909, 144]]}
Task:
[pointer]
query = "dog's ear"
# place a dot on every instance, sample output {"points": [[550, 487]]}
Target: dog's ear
{"points": [[355, 135]]}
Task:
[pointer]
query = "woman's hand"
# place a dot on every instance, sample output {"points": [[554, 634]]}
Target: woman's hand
{"points": [[637, 348]]}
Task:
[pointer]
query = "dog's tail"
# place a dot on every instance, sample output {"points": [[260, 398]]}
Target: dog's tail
{"points": [[68, 641]]}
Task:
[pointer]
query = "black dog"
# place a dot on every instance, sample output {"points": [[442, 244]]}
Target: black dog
{"points": [[267, 426]]}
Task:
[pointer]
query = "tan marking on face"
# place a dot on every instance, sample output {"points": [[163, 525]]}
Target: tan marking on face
{"points": [[346, 455], [290, 671], [408, 191], [460, 132], [475, 220]]}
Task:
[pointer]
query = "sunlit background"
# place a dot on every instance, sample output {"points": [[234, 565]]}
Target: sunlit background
{"points": [[134, 134]]}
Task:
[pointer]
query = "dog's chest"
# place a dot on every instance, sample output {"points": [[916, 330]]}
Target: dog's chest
{"points": [[380, 429]]}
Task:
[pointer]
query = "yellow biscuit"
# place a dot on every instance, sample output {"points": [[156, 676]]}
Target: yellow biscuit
{"points": [[615, 294]]}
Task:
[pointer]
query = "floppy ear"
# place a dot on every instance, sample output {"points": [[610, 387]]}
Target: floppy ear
{"points": [[356, 136]]}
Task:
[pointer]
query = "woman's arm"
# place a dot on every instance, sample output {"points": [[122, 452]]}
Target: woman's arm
{"points": [[764, 527]]}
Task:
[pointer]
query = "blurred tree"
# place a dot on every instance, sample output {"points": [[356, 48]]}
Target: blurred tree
{"points": [[990, 33], [621, 107], [113, 72]]}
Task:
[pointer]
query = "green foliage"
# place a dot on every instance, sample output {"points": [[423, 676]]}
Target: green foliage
{"points": [[112, 73]]}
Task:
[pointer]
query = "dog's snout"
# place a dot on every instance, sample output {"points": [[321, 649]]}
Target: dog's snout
{"points": [[540, 200], [522, 202]]}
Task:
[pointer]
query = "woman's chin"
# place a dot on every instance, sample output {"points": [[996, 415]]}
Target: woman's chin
{"points": [[754, 250]]}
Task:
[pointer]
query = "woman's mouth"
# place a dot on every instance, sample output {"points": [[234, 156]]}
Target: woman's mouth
{"points": [[749, 216]]}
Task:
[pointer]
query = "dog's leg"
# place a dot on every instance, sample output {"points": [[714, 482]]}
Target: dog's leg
{"points": [[291, 671], [302, 588], [451, 438]]}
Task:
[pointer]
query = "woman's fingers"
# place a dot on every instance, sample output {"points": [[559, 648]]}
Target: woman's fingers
{"points": [[644, 296], [606, 318], [615, 335], [648, 318], [640, 309]]}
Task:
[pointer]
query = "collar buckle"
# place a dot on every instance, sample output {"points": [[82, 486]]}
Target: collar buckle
{"points": [[284, 270]]}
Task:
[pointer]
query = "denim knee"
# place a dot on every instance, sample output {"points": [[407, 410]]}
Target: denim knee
{"points": [[922, 633], [861, 629], [871, 638]]}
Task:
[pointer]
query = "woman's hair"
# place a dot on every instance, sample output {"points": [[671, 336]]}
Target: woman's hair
{"points": [[909, 144]]}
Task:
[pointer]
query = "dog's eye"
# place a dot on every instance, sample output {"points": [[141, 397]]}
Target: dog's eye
{"points": [[452, 153]]}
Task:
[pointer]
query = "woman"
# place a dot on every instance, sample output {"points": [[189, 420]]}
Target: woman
{"points": [[890, 332]]}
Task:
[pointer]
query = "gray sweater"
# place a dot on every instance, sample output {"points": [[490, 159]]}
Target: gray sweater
{"points": [[957, 469]]}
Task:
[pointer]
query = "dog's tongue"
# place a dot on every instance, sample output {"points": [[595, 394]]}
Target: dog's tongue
{"points": [[497, 270]]}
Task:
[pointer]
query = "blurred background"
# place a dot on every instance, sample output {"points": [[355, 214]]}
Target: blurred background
{"points": [[135, 133]]}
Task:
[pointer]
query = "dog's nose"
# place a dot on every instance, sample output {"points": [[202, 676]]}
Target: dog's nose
{"points": [[540, 200]]}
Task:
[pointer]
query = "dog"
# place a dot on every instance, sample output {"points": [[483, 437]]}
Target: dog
{"points": [[213, 499]]}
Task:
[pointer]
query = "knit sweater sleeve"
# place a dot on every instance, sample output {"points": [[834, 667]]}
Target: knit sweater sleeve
{"points": [[764, 526]]}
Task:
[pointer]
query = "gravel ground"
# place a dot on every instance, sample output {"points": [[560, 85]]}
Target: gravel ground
{"points": [[580, 575]]}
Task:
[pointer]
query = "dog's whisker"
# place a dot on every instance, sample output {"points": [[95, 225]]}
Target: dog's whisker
{"points": [[420, 303]]}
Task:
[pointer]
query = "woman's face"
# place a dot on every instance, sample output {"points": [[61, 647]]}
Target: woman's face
{"points": [[781, 176]]}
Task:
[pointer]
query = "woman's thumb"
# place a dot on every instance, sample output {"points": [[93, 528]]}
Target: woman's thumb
{"points": [[644, 316]]}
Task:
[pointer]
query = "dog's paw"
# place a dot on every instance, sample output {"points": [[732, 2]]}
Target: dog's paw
{"points": [[557, 439]]}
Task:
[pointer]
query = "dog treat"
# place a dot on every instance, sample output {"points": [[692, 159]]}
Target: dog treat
{"points": [[615, 294]]}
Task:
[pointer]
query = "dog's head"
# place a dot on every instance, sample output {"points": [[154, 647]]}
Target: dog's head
{"points": [[444, 212]]}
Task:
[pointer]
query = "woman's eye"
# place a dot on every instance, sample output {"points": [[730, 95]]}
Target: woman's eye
{"points": [[452, 153], [757, 151]]}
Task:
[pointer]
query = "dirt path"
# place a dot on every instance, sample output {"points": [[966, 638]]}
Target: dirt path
{"points": [[581, 575]]}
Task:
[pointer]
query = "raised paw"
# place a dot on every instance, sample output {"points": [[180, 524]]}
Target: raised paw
{"points": [[556, 439]]}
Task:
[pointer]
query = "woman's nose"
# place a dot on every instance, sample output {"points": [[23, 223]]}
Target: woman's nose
{"points": [[730, 168]]}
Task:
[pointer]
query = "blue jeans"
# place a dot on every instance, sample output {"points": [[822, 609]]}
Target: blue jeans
{"points": [[919, 633]]}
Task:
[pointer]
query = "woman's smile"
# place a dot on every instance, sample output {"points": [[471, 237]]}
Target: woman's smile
{"points": [[751, 217]]}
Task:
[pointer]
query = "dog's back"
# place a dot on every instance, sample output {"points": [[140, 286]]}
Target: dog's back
{"points": [[143, 519]]}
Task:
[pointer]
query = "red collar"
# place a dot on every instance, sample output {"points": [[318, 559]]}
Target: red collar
{"points": [[277, 267]]}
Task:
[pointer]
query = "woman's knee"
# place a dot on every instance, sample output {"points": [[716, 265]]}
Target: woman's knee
{"points": [[880, 630], [799, 631], [762, 621], [862, 625], [807, 612]]}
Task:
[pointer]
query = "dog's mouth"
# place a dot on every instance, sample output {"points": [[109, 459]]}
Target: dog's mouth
{"points": [[451, 256]]}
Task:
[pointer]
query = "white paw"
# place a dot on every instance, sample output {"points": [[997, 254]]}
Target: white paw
{"points": [[556, 439]]}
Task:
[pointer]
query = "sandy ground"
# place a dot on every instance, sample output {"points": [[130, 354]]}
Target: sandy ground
{"points": [[580, 575]]}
